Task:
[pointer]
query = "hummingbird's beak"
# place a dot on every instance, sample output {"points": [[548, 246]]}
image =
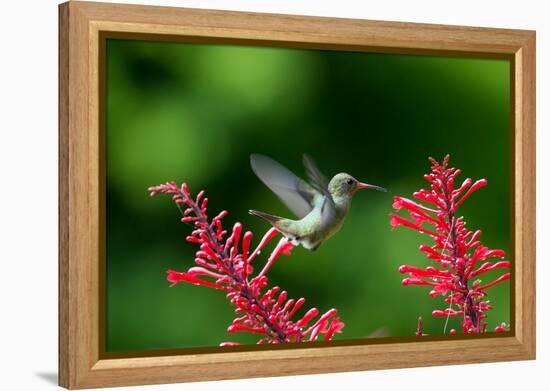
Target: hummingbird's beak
{"points": [[361, 185]]}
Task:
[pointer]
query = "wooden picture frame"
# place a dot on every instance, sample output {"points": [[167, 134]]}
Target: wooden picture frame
{"points": [[82, 29]]}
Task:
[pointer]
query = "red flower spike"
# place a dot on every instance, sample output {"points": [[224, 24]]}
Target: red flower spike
{"points": [[224, 264], [455, 248]]}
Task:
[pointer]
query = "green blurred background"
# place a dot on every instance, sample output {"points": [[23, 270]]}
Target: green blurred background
{"points": [[195, 112]]}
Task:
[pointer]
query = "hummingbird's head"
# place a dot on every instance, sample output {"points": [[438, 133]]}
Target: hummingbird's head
{"points": [[344, 185]]}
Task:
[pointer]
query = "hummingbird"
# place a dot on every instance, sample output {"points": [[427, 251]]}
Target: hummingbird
{"points": [[319, 205]]}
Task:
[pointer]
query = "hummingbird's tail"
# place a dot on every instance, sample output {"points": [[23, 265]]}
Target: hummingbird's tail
{"points": [[266, 216]]}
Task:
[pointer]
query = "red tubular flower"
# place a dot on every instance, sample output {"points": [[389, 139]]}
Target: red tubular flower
{"points": [[456, 250], [225, 264]]}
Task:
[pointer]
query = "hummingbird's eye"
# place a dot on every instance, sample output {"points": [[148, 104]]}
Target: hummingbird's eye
{"points": [[350, 182]]}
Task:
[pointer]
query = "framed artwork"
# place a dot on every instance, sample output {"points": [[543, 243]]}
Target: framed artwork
{"points": [[329, 195]]}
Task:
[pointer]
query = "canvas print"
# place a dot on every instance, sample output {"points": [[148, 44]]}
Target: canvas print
{"points": [[303, 196]]}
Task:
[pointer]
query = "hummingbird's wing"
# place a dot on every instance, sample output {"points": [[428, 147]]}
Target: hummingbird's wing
{"points": [[294, 192], [319, 181], [328, 210]]}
